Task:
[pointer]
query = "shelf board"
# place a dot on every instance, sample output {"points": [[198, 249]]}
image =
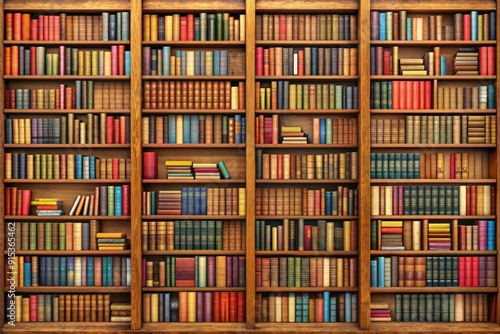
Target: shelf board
{"points": [[434, 77], [294, 181], [433, 181], [193, 327], [215, 44], [296, 43], [202, 181], [71, 253], [434, 111], [433, 253], [67, 327], [285, 6], [306, 253], [427, 146], [184, 146], [432, 43], [67, 77], [59, 43], [435, 289], [305, 289], [72, 289], [68, 146], [192, 217], [280, 217], [191, 289], [195, 77], [434, 327], [66, 111], [51, 181], [440, 6], [65, 217], [308, 77], [194, 252], [159, 6], [306, 146], [306, 111], [193, 111], [434, 217]]}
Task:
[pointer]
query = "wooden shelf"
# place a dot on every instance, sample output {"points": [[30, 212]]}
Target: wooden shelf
{"points": [[434, 217], [434, 111], [68, 146], [214, 44], [193, 111], [434, 327], [191, 289], [306, 146], [195, 252], [433, 181], [317, 327], [440, 6], [305, 289], [284, 6], [433, 253], [306, 253], [433, 43], [434, 77], [193, 327], [71, 43], [295, 181], [306, 111], [65, 181], [195, 77], [308, 77], [298, 43], [262, 217], [64, 111], [201, 181], [71, 253], [427, 146], [65, 217], [184, 146], [67, 77], [67, 327], [192, 217], [159, 6], [435, 289], [72, 289]]}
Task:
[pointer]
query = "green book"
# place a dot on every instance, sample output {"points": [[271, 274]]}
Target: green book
{"points": [[223, 170], [291, 272], [219, 235]]}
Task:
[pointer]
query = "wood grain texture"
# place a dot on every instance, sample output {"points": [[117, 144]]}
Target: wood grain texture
{"points": [[186, 6], [433, 5], [306, 6], [51, 6]]}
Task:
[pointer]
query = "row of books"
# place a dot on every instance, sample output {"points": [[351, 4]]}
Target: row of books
{"points": [[278, 95], [194, 27], [278, 61], [306, 235], [62, 308], [331, 166], [69, 129], [180, 62], [306, 272], [65, 27], [72, 271], [442, 307], [429, 165], [408, 271], [194, 95], [198, 271], [433, 200], [306, 27], [342, 130], [64, 167], [306, 307], [473, 26], [106, 201], [193, 235], [37, 60], [189, 170], [56, 236], [434, 129], [421, 234], [341, 201], [195, 201], [194, 129], [83, 94], [417, 95], [190, 306]]}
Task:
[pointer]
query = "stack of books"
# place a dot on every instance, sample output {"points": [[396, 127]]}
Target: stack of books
{"points": [[47, 206], [466, 62], [391, 235], [439, 236], [380, 312], [169, 202], [213, 171], [293, 135], [412, 66], [179, 169], [121, 312], [112, 241]]}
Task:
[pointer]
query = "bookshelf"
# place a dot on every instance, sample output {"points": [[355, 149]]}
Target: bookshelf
{"points": [[162, 102]]}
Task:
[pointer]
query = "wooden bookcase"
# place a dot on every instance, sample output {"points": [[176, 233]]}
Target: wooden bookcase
{"points": [[241, 159]]}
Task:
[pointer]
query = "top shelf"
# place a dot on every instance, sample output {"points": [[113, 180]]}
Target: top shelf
{"points": [[54, 6], [432, 43], [296, 43], [428, 6], [323, 6], [161, 6]]}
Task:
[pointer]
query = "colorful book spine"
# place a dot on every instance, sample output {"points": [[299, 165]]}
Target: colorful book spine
{"points": [[105, 201]]}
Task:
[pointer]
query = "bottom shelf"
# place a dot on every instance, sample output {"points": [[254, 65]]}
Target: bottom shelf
{"points": [[442, 327], [66, 327]]}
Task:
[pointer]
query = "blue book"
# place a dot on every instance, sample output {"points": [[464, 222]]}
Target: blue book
{"points": [[314, 61], [197, 201], [203, 194], [380, 271], [373, 58], [409, 28], [70, 271], [112, 27], [322, 131], [8, 132], [243, 130], [104, 271], [109, 270], [326, 306], [78, 166], [186, 128], [22, 166], [286, 91], [190, 201], [491, 97], [216, 63], [493, 34], [49, 268], [203, 67], [348, 307], [197, 62], [305, 307], [126, 26], [90, 271], [42, 271], [194, 129], [328, 203], [166, 307], [443, 65], [118, 201], [166, 60], [27, 273], [473, 25], [56, 275], [490, 241], [92, 174], [63, 271], [223, 62], [280, 94], [382, 22], [127, 63], [373, 274], [171, 129], [184, 201], [298, 309], [333, 309], [237, 136]]}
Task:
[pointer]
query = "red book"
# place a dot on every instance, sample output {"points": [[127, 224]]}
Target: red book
{"points": [[47, 207], [467, 200], [17, 26], [300, 56], [150, 165], [428, 95], [121, 59], [415, 94], [216, 307], [402, 95], [280, 166], [282, 27], [483, 60], [491, 60], [33, 308], [319, 314], [259, 61], [8, 201], [475, 271], [46, 27], [114, 59], [40, 27], [421, 95], [317, 202], [473, 202], [452, 166], [26, 27], [307, 237], [57, 28], [241, 307], [183, 29], [116, 131], [467, 28], [109, 129], [468, 269], [395, 94], [115, 169], [229, 271], [387, 63], [391, 230], [9, 26], [493, 200], [395, 196], [123, 130], [51, 27], [233, 306], [409, 95], [461, 267], [25, 202], [98, 271], [190, 27]]}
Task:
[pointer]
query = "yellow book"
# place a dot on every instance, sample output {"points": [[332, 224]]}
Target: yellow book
{"points": [[111, 235], [291, 129], [179, 163], [392, 223], [191, 306], [113, 248]]}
